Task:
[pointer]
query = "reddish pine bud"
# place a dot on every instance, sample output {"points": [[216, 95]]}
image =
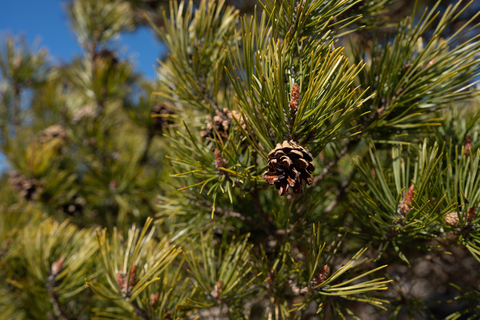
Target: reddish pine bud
{"points": [[467, 144], [154, 299], [295, 97], [120, 281], [431, 62], [321, 277], [271, 275], [217, 291], [168, 316], [406, 204], [57, 266], [220, 162], [132, 281], [471, 213]]}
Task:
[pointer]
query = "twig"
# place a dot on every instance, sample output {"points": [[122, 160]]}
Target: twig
{"points": [[266, 223], [341, 193], [16, 106], [233, 214], [349, 146], [58, 311], [139, 311], [144, 157]]}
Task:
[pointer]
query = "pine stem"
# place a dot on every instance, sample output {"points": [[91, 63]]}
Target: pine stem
{"points": [[139, 311], [266, 223], [342, 192], [58, 311], [16, 106], [144, 157], [349, 146]]}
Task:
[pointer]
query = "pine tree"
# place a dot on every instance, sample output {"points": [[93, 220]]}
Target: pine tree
{"points": [[295, 160]]}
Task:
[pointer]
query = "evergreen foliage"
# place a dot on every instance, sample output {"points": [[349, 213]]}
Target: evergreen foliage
{"points": [[294, 160]]}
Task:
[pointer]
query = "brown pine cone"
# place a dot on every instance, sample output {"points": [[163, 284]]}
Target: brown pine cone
{"points": [[222, 122], [161, 117], [452, 218], [55, 131], [74, 206], [289, 164], [29, 189], [104, 59], [87, 112]]}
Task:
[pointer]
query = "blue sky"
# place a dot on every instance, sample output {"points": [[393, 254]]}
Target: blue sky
{"points": [[47, 22]]}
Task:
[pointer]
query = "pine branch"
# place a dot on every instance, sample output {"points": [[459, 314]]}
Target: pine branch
{"points": [[16, 106], [58, 309], [341, 194], [352, 144], [148, 143], [139, 311]]}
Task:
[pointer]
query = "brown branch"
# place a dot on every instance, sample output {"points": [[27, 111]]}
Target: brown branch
{"points": [[139, 311], [341, 193], [16, 106], [326, 170], [264, 218], [233, 214], [58, 310], [144, 157], [349, 146]]}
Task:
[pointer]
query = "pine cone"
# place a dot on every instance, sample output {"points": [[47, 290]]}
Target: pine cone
{"points": [[105, 59], [222, 122], [452, 218], [84, 113], [160, 114], [29, 189], [289, 164], [52, 132], [74, 206]]}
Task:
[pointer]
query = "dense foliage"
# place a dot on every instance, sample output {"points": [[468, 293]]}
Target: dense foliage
{"points": [[295, 160]]}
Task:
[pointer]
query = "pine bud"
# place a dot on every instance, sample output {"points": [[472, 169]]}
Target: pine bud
{"points": [[120, 281], [321, 277], [57, 266], [154, 299], [406, 204], [217, 291], [132, 281], [295, 97], [467, 144], [471, 213], [220, 162]]}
